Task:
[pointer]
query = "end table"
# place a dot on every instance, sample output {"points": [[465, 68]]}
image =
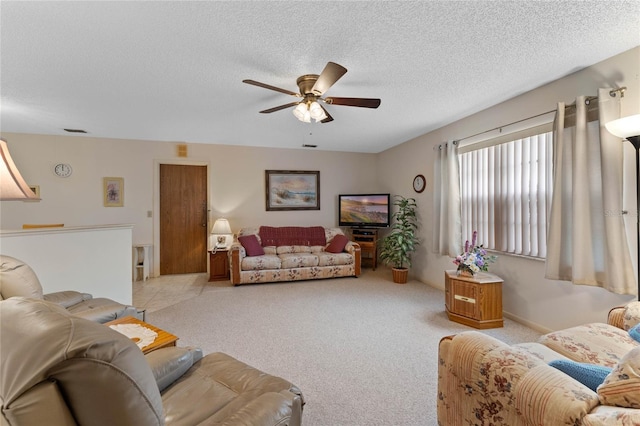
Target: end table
{"points": [[219, 264], [474, 301]]}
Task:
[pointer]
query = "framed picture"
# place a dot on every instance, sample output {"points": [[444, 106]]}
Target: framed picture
{"points": [[113, 188], [292, 190]]}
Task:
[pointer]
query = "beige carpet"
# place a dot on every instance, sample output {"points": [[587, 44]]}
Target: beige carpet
{"points": [[363, 351]]}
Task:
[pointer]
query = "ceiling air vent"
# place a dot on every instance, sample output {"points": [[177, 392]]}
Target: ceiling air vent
{"points": [[75, 130], [308, 145]]}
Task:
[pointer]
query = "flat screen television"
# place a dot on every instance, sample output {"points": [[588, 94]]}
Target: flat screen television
{"points": [[364, 210]]}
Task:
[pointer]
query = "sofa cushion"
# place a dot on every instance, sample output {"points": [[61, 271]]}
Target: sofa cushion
{"points": [[338, 244], [590, 375], [292, 236], [293, 249], [251, 245], [18, 279], [298, 260], [334, 259], [595, 343], [622, 385], [259, 263]]}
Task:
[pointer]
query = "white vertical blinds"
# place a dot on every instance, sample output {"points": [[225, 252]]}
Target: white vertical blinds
{"points": [[506, 193]]}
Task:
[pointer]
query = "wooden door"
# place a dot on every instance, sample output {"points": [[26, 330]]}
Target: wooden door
{"points": [[183, 219]]}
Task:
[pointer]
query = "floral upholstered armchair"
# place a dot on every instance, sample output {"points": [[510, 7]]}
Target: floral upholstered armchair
{"points": [[483, 381]]}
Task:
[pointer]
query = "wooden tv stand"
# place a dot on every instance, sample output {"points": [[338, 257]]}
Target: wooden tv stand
{"points": [[367, 238]]}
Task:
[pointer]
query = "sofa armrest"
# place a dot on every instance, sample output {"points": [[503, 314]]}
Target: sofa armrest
{"points": [[354, 249], [482, 378], [67, 298], [236, 254], [169, 364], [625, 317]]}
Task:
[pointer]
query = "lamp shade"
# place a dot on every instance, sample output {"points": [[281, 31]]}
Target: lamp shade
{"points": [[625, 127], [221, 227], [12, 185]]}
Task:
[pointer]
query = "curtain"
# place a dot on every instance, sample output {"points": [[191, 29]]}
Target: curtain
{"points": [[446, 200], [587, 240]]}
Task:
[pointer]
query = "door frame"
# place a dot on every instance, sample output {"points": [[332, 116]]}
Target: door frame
{"points": [[156, 205]]}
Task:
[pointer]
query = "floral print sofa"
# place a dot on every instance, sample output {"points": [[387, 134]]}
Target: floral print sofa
{"points": [[292, 253], [483, 381]]}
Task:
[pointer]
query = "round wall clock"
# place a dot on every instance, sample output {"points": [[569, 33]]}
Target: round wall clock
{"points": [[419, 183], [62, 170]]}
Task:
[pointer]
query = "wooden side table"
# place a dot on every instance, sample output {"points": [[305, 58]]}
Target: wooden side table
{"points": [[219, 265], [474, 301], [163, 340], [368, 241]]}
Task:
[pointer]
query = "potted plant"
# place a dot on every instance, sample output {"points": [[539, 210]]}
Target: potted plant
{"points": [[396, 247]]}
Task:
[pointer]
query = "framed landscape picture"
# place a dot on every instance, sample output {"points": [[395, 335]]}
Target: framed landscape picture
{"points": [[113, 189], [292, 190]]}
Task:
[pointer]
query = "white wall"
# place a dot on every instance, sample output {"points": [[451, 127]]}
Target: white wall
{"points": [[527, 294], [236, 182], [96, 260]]}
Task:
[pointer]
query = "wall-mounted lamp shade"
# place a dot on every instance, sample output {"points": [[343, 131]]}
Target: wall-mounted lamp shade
{"points": [[12, 185], [625, 127], [221, 227]]}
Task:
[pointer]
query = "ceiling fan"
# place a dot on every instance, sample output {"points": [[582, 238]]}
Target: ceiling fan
{"points": [[312, 87]]}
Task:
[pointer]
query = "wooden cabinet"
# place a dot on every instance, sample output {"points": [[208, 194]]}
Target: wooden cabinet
{"points": [[368, 241], [474, 301], [219, 265]]}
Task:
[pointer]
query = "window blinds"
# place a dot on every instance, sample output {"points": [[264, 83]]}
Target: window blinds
{"points": [[506, 191]]}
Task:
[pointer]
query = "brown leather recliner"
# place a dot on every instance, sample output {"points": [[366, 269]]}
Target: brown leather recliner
{"points": [[18, 279], [58, 369]]}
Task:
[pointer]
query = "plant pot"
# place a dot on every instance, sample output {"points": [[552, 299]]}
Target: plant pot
{"points": [[400, 275]]}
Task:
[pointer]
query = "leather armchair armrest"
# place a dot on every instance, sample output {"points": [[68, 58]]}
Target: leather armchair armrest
{"points": [[67, 298], [169, 364]]}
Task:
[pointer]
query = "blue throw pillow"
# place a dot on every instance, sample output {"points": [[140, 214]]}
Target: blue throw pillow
{"points": [[590, 375], [634, 332]]}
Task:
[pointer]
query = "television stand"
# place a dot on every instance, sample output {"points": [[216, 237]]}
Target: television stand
{"points": [[367, 238]]}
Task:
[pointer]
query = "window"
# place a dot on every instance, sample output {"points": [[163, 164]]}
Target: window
{"points": [[505, 192]]}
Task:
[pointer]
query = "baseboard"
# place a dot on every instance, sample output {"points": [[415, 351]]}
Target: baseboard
{"points": [[537, 327]]}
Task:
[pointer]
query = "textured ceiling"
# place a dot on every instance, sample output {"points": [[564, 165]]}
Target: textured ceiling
{"points": [[173, 71]]}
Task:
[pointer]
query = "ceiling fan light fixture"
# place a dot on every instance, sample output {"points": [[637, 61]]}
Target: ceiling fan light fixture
{"points": [[316, 111], [300, 111]]}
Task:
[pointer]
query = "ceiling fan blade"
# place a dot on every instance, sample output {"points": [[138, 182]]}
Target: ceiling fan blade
{"points": [[356, 102], [277, 89], [329, 118], [328, 77], [278, 108]]}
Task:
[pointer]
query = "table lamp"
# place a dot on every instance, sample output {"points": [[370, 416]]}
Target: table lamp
{"points": [[221, 228]]}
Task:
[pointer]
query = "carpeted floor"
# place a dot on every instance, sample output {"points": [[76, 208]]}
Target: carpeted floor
{"points": [[363, 351]]}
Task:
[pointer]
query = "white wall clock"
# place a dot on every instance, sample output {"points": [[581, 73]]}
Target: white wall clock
{"points": [[62, 170], [419, 183]]}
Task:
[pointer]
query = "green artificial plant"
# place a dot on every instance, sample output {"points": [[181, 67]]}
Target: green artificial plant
{"points": [[397, 246]]}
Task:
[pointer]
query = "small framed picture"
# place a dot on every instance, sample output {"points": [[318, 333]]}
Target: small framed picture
{"points": [[292, 190], [113, 188]]}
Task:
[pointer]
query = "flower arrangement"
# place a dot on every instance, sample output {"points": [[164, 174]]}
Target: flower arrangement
{"points": [[474, 259]]}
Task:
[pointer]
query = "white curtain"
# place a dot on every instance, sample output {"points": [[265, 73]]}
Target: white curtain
{"points": [[587, 241], [446, 201]]}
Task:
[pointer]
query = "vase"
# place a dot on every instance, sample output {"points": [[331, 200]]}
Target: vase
{"points": [[465, 273]]}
